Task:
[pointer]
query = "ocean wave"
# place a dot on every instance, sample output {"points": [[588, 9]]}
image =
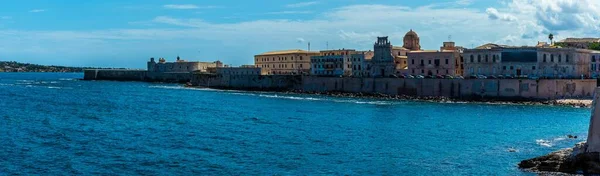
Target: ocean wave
{"points": [[545, 143], [290, 97], [4, 84], [67, 79]]}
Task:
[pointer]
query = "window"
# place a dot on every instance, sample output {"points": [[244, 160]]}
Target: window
{"points": [[493, 58], [551, 57], [422, 62], [422, 71], [413, 61], [567, 58], [593, 58], [532, 67], [446, 61], [472, 60], [559, 57], [511, 67], [544, 57], [478, 58], [503, 67], [487, 58], [429, 62], [300, 65]]}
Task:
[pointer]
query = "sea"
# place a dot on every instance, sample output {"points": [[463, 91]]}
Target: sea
{"points": [[57, 124]]}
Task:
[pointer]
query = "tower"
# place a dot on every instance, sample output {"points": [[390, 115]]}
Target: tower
{"points": [[382, 63]]}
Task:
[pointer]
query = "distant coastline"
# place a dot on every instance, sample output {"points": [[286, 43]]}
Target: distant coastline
{"points": [[13, 66]]}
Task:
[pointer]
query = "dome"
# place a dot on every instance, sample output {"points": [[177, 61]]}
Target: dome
{"points": [[411, 41], [411, 33]]}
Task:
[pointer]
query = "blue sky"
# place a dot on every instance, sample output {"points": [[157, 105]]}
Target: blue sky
{"points": [[115, 33]]}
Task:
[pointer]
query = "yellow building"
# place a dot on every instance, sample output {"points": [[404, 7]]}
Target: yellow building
{"points": [[285, 62]]}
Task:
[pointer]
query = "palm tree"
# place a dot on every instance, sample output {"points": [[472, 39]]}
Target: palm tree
{"points": [[551, 36]]}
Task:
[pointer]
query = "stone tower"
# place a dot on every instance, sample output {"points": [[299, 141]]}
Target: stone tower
{"points": [[382, 63], [411, 41], [151, 65]]}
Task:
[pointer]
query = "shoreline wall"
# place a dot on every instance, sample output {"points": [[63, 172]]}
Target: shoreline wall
{"points": [[466, 89], [136, 75]]}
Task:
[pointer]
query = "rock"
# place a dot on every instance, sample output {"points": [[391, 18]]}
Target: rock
{"points": [[569, 160]]}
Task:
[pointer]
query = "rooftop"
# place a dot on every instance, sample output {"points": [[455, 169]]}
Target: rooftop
{"points": [[294, 51]]}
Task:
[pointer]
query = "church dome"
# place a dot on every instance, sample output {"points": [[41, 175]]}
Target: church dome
{"points": [[411, 33], [411, 41]]}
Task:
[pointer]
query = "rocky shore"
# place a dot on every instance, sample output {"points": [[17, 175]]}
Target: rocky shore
{"points": [[563, 102], [570, 161]]}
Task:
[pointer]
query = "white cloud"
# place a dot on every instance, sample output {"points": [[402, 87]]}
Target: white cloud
{"points": [[37, 10], [302, 4], [289, 12], [187, 6], [300, 40], [495, 15]]}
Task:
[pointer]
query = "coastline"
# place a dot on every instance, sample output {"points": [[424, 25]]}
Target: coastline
{"points": [[576, 103]]}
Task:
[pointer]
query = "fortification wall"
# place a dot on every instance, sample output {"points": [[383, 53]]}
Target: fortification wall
{"points": [[136, 75], [457, 88], [509, 89]]}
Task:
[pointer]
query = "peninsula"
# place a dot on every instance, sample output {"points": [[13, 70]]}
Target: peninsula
{"points": [[12, 66], [547, 71]]}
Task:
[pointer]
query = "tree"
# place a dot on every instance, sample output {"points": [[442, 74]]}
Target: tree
{"points": [[551, 36], [594, 46]]}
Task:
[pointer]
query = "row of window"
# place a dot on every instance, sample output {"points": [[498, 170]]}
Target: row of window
{"points": [[278, 66], [435, 61], [487, 58], [241, 72], [552, 58], [264, 59]]}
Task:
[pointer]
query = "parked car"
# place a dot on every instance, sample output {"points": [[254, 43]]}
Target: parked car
{"points": [[439, 76], [459, 77], [509, 77], [402, 76], [420, 76], [500, 76], [534, 77], [429, 77], [473, 77], [481, 77], [449, 77], [492, 77], [410, 76]]}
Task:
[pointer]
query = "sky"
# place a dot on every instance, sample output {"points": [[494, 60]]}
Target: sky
{"points": [[117, 33]]}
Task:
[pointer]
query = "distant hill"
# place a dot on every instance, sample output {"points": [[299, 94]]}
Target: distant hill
{"points": [[12, 66]]}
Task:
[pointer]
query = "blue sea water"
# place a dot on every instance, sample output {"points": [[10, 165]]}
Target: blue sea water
{"points": [[55, 124]]}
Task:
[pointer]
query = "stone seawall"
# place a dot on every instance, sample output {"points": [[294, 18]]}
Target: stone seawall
{"points": [[468, 89], [136, 75], [509, 89]]}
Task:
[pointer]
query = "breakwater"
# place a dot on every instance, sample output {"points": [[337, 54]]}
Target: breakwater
{"points": [[467, 89]]}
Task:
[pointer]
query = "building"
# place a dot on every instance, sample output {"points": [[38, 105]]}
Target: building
{"points": [[400, 59], [495, 60], [285, 62], [180, 65], [332, 63], [594, 64], [342, 62], [361, 63], [242, 70], [382, 63], [446, 61], [581, 43]]}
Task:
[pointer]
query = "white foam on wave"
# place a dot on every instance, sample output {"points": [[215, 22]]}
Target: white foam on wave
{"points": [[3, 84], [259, 94], [290, 97], [544, 143], [67, 79]]}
